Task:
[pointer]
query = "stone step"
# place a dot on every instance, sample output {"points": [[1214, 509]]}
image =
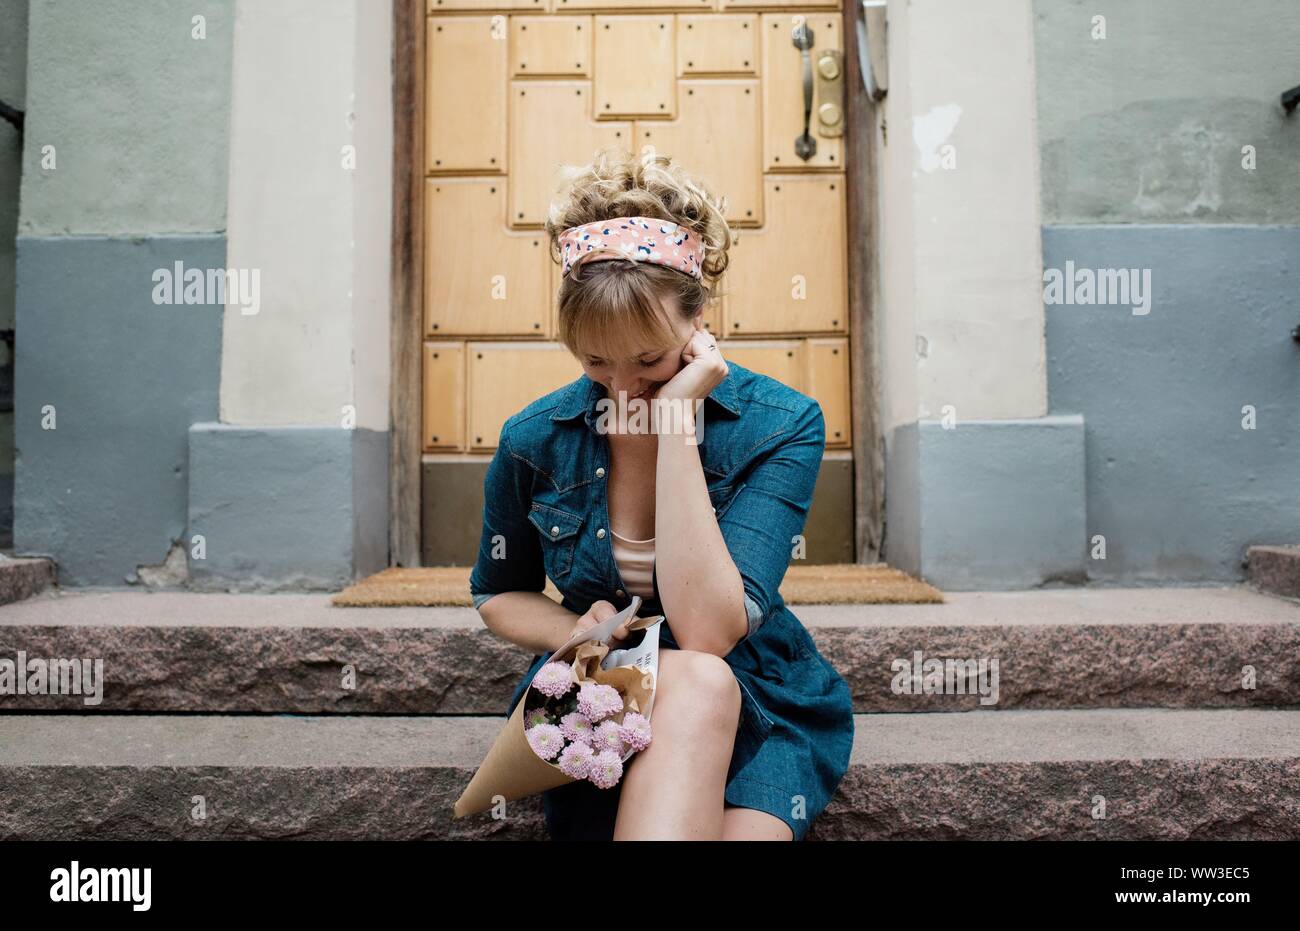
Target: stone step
{"points": [[1103, 774], [1066, 648], [1274, 569], [23, 577]]}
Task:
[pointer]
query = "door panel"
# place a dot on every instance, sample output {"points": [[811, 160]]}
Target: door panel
{"points": [[717, 45], [817, 367], [444, 396], [538, 112], [635, 67], [446, 6], [789, 276], [480, 278], [505, 377], [465, 131], [555, 46], [718, 136], [516, 88], [783, 102], [826, 366]]}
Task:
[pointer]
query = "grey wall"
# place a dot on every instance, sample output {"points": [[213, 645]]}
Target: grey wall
{"points": [[988, 504], [287, 508], [137, 112], [1142, 167], [1147, 125], [1175, 485], [13, 91], [105, 491]]}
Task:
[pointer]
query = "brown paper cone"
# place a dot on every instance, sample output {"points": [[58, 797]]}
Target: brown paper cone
{"points": [[511, 769]]}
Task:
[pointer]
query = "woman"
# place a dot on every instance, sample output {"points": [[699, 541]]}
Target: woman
{"points": [[697, 513]]}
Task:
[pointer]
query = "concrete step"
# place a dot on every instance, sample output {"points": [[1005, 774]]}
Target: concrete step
{"points": [[1153, 774], [1066, 648]]}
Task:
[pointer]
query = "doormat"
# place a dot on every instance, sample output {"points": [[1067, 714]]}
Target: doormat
{"points": [[448, 586]]}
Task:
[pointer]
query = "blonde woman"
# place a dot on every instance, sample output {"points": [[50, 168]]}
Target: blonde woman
{"points": [[695, 512]]}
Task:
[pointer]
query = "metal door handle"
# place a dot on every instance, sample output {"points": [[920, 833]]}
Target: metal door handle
{"points": [[805, 146]]}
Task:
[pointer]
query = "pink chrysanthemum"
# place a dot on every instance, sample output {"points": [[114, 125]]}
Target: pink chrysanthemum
{"points": [[598, 702], [576, 726], [605, 770], [553, 679], [535, 717], [635, 731], [546, 740], [606, 737], [575, 760]]}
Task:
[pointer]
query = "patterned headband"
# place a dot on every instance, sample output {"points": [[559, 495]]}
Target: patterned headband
{"points": [[642, 239]]}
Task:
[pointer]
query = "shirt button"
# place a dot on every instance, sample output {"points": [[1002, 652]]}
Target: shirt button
{"points": [[621, 593], [600, 473], [555, 531], [600, 534]]}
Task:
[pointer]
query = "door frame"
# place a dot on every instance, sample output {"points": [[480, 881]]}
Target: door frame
{"points": [[405, 450]]}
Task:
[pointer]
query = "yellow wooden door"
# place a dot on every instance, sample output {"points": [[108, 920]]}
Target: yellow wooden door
{"points": [[516, 88]]}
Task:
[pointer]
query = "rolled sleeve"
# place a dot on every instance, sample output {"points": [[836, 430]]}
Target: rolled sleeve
{"points": [[769, 511], [509, 554]]}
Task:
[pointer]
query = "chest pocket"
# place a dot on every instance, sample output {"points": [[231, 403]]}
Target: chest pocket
{"points": [[559, 533]]}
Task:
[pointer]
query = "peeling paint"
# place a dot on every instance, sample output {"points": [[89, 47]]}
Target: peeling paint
{"points": [[932, 130]]}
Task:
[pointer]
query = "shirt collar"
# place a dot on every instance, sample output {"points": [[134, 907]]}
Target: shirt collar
{"points": [[582, 394]]}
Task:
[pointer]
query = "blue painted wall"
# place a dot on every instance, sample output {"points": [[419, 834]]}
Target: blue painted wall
{"points": [[1174, 483]]}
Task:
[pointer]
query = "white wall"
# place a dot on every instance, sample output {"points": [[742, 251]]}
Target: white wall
{"points": [[309, 77], [962, 320]]}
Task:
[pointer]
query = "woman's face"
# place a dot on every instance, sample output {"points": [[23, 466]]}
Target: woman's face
{"points": [[641, 375]]}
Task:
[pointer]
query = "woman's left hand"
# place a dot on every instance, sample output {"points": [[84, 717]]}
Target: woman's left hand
{"points": [[704, 370]]}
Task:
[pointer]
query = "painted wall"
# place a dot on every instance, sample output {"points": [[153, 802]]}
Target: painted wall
{"points": [[312, 78], [1192, 441], [961, 260], [124, 175], [13, 91], [1147, 124], [137, 110]]}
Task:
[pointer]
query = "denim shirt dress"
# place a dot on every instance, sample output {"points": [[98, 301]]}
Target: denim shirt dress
{"points": [[545, 499]]}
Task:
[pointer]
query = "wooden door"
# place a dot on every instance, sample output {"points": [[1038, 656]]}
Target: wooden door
{"points": [[515, 88]]}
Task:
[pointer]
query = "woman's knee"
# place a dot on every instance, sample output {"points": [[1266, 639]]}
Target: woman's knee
{"points": [[705, 681]]}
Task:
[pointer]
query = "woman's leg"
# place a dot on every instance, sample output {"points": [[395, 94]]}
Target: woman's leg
{"points": [[751, 824], [672, 790]]}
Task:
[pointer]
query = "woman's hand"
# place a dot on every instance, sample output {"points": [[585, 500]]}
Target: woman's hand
{"points": [[704, 369], [600, 611]]}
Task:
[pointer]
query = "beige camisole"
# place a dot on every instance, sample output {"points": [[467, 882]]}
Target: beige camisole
{"points": [[636, 561]]}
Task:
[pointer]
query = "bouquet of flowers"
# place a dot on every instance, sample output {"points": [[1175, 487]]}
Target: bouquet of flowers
{"points": [[584, 714]]}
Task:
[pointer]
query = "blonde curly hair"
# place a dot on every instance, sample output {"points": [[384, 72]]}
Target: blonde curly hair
{"points": [[606, 307]]}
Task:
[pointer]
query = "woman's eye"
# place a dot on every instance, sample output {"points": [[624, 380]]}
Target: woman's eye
{"points": [[652, 362]]}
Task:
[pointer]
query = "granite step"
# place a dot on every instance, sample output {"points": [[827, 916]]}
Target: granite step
{"points": [[1104, 774], [1274, 570], [1067, 648]]}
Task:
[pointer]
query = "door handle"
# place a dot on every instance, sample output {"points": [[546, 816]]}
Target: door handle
{"points": [[805, 146]]}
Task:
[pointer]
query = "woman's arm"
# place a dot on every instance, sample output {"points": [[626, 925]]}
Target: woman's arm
{"points": [[531, 620], [700, 587]]}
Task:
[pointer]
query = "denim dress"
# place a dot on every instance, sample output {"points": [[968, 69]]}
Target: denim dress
{"points": [[546, 513]]}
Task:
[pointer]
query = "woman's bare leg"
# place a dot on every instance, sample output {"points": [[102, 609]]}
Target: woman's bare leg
{"points": [[751, 824], [673, 789]]}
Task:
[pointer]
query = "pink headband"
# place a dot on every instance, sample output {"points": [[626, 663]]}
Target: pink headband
{"points": [[642, 239]]}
